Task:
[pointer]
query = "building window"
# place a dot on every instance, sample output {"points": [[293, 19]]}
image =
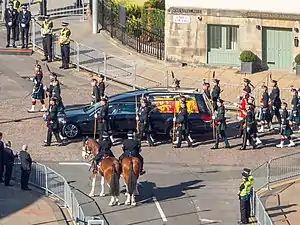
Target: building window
{"points": [[222, 37]]}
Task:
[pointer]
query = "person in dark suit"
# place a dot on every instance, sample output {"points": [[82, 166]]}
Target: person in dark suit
{"points": [[11, 17], [9, 160], [26, 162], [1, 158], [24, 19]]}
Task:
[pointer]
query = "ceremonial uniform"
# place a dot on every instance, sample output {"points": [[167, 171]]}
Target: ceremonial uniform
{"points": [[104, 149], [244, 197], [25, 18], [294, 116], [102, 119], [144, 123], [11, 17], [9, 159], [46, 32], [215, 94], [182, 129], [64, 41], [275, 102], [17, 6], [242, 113], [250, 129], [38, 92], [220, 121], [52, 124], [264, 110], [26, 162], [132, 148]]}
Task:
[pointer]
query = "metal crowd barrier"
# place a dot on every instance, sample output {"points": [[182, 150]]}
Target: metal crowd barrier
{"points": [[52, 183], [270, 173]]}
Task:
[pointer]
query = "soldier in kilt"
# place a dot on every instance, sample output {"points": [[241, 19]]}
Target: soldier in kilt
{"points": [[221, 126], [286, 130], [254, 129], [38, 92], [250, 128], [264, 116], [294, 116]]}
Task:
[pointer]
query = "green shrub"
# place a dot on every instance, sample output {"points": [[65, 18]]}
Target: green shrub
{"points": [[297, 59], [156, 4], [157, 19], [248, 56]]}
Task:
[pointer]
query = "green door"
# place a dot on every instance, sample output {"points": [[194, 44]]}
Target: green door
{"points": [[222, 45], [277, 48]]}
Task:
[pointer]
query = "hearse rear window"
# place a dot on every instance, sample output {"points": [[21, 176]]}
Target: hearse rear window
{"points": [[165, 103]]}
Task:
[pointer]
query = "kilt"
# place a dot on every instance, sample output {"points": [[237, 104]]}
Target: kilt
{"points": [[286, 130], [295, 117], [38, 94], [264, 114]]}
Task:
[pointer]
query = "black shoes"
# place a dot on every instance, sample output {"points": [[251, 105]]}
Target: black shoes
{"points": [[142, 172], [26, 189]]}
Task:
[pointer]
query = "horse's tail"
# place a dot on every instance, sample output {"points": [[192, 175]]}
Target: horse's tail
{"points": [[132, 180], [114, 182]]}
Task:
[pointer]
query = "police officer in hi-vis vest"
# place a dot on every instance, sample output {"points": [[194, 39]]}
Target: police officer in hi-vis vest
{"points": [[46, 32], [64, 41]]}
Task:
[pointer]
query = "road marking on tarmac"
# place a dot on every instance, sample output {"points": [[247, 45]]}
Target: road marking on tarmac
{"points": [[74, 163], [161, 212]]}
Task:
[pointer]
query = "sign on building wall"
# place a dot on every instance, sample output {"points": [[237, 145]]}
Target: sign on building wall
{"points": [[181, 19]]}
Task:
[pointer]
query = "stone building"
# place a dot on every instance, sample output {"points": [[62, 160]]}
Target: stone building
{"points": [[215, 32]]}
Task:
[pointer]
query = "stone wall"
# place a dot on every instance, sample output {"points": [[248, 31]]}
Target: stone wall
{"points": [[187, 43]]}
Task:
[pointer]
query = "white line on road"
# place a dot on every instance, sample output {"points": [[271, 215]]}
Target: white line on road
{"points": [[161, 212], [74, 163]]}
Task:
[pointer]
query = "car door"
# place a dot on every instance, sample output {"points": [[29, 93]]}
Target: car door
{"points": [[124, 119]]}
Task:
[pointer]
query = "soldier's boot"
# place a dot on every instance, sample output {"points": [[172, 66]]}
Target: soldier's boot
{"points": [[189, 141], [111, 139], [226, 142], [32, 108], [44, 109], [150, 140], [291, 144], [258, 141], [280, 145], [142, 169], [7, 45], [262, 128], [216, 146], [95, 167]]}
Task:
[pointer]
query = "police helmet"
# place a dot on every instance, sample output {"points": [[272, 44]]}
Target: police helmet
{"points": [[246, 170], [245, 175], [130, 134], [105, 135], [10, 4]]}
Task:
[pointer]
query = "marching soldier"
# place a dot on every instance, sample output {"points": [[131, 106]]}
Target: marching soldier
{"points": [[144, 123], [52, 123], [247, 84], [294, 116], [285, 129], [220, 120], [249, 128], [50, 89], [104, 149], [215, 94], [132, 147], [242, 112], [181, 121], [254, 129], [102, 118], [25, 18], [264, 115], [101, 87], [95, 94], [38, 92], [64, 41], [17, 6], [275, 102], [206, 89], [46, 32], [244, 197], [11, 17]]}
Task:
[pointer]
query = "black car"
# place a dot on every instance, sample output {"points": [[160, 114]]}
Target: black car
{"points": [[79, 120]]}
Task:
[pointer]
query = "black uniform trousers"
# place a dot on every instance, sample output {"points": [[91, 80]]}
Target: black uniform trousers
{"points": [[47, 46], [17, 28], [215, 106], [56, 134], [182, 132], [43, 8], [8, 172], [275, 112], [247, 136], [24, 178], [25, 36], [11, 30], [222, 134], [101, 127], [65, 55], [130, 154], [144, 131], [244, 209], [1, 167]]}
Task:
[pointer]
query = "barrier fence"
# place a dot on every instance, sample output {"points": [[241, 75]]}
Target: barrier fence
{"points": [[52, 183], [270, 173]]}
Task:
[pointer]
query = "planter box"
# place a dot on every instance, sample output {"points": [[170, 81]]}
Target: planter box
{"points": [[247, 68], [297, 69]]}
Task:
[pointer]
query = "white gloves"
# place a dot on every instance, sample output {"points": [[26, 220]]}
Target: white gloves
{"points": [[45, 88], [235, 104], [238, 97], [137, 117], [9, 23], [213, 117], [248, 129], [22, 25], [174, 119], [92, 103], [95, 115]]}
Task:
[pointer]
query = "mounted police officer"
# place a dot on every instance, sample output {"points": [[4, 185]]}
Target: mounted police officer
{"points": [[52, 123], [215, 94], [46, 32], [11, 18], [143, 120], [220, 119], [9, 159], [275, 101], [244, 197], [101, 87], [249, 128], [132, 147], [95, 93], [104, 149], [25, 18], [102, 118], [64, 41], [182, 129]]}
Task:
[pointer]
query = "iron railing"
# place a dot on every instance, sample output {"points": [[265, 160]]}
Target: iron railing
{"points": [[54, 184]]}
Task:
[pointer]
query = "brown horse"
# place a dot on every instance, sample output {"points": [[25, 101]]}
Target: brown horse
{"points": [[131, 167], [109, 169]]}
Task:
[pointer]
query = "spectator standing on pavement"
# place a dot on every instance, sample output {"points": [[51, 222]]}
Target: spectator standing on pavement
{"points": [[11, 17], [24, 19], [46, 31], [9, 160], [26, 162], [244, 193], [101, 87], [1, 157], [64, 41], [17, 6]]}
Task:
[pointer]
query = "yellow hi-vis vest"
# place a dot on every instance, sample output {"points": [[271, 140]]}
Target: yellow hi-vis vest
{"points": [[47, 28], [246, 190], [64, 37], [17, 5]]}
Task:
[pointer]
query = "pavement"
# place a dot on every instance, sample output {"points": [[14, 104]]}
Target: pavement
{"points": [[28, 208]]}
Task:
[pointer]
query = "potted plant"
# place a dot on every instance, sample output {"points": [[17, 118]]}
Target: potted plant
{"points": [[297, 61], [248, 59]]}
